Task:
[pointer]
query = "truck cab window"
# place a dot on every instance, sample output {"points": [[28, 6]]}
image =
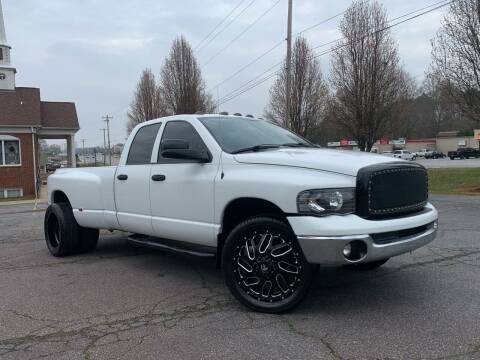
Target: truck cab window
{"points": [[181, 130], [142, 145]]}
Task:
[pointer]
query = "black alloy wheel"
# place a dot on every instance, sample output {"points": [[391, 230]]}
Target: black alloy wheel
{"points": [[264, 266]]}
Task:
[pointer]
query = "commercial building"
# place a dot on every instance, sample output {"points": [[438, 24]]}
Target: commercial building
{"points": [[444, 142]]}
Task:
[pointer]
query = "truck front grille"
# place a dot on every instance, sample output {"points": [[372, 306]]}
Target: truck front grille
{"points": [[391, 189]]}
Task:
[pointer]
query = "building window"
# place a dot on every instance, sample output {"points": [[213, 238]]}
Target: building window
{"points": [[11, 193], [9, 152]]}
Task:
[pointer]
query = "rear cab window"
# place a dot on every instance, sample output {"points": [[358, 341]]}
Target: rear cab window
{"points": [[140, 152]]}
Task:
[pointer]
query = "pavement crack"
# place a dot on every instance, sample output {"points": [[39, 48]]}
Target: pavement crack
{"points": [[323, 339]]}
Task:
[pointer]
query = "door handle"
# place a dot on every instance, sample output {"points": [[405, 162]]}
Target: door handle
{"points": [[122, 177], [158, 177]]}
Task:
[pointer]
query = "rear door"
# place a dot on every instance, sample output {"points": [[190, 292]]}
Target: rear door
{"points": [[132, 183]]}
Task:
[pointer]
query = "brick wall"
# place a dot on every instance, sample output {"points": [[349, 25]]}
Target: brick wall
{"points": [[20, 176]]}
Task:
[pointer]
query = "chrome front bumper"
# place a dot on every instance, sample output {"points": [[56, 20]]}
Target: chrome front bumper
{"points": [[327, 249]]}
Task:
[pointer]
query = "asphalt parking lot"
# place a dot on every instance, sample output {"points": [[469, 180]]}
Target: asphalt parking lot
{"points": [[124, 302]]}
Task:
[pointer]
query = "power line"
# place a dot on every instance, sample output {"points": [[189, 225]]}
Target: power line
{"points": [[249, 83], [320, 23], [107, 119], [276, 46], [242, 33], [250, 64], [252, 83], [257, 80], [247, 89], [446, 2], [219, 24], [226, 25], [323, 22], [339, 46]]}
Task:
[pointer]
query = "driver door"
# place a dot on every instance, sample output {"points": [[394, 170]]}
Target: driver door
{"points": [[181, 191]]}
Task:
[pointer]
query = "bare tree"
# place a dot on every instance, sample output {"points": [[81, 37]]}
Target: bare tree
{"points": [[442, 104], [308, 96], [181, 84], [398, 124], [456, 55], [147, 103], [366, 74]]}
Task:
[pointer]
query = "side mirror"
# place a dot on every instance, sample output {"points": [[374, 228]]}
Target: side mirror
{"points": [[186, 154], [180, 149], [174, 144]]}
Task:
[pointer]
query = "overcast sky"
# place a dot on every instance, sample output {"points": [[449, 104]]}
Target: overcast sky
{"points": [[92, 52]]}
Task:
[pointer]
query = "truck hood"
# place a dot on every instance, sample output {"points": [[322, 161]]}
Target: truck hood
{"points": [[336, 161]]}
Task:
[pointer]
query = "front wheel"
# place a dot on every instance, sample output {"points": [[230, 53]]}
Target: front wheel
{"points": [[264, 266]]}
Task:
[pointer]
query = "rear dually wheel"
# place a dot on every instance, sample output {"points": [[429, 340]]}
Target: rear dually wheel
{"points": [[63, 235]]}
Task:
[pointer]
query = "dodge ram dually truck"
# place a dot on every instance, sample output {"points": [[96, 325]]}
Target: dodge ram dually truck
{"points": [[269, 205]]}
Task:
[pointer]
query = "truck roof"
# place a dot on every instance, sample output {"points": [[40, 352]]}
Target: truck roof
{"points": [[190, 117]]}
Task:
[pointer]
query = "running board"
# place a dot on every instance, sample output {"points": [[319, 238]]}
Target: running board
{"points": [[177, 247]]}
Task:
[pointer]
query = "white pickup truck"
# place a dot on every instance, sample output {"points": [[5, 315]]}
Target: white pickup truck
{"points": [[269, 205]]}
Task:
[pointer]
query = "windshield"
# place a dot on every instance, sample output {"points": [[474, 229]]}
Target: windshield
{"points": [[235, 134]]}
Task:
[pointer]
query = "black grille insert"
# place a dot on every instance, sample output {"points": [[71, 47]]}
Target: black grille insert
{"points": [[390, 189], [394, 236]]}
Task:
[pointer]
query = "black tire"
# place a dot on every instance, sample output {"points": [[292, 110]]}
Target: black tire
{"points": [[88, 240], [367, 266], [280, 275], [61, 230]]}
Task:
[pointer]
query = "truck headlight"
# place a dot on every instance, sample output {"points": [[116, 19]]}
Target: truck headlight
{"points": [[326, 201]]}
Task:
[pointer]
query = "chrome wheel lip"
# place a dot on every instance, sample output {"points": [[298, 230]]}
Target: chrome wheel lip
{"points": [[256, 266]]}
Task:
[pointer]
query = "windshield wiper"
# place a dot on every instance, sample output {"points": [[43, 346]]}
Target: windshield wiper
{"points": [[256, 148]]}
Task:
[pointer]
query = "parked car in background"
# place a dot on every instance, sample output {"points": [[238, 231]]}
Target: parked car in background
{"points": [[464, 153], [404, 155], [423, 153], [52, 166], [435, 155]]}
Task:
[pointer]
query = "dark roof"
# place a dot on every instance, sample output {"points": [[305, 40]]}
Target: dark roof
{"points": [[20, 107], [23, 107], [59, 115]]}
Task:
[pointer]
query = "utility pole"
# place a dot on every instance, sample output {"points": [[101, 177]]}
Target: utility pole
{"points": [[104, 147], [83, 151], [288, 90], [107, 119]]}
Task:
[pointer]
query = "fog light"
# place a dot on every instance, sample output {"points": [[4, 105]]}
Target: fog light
{"points": [[435, 225], [355, 251], [347, 250]]}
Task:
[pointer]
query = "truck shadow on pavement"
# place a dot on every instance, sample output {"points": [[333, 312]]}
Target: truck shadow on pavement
{"points": [[334, 290]]}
